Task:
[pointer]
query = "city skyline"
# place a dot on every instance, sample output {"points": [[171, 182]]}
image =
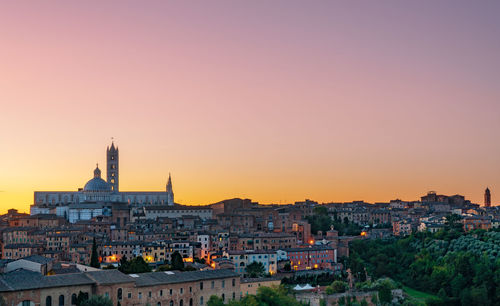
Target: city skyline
{"points": [[333, 102]]}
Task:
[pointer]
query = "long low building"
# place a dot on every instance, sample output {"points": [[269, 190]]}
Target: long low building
{"points": [[23, 287]]}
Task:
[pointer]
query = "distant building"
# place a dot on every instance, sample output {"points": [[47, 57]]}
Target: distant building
{"points": [[95, 192], [487, 198]]}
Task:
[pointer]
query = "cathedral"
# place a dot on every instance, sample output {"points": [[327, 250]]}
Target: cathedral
{"points": [[97, 193]]}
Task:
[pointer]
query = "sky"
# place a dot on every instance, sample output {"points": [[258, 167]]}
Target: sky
{"points": [[277, 101]]}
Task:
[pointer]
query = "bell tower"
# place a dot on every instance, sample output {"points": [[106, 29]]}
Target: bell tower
{"points": [[487, 197], [112, 167]]}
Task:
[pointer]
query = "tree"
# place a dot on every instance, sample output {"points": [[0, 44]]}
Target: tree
{"points": [[320, 210], [97, 300], [135, 265], [215, 301], [82, 297], [385, 294], [287, 267], [94, 258], [255, 269], [339, 286], [177, 262]]}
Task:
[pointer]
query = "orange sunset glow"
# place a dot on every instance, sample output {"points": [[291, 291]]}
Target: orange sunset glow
{"points": [[274, 101]]}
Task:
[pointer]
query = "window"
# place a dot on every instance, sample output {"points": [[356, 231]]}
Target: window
{"points": [[213, 284], [181, 303], [223, 283], [48, 301], [61, 300], [223, 297], [201, 300], [129, 295], [182, 290], [149, 294], [234, 282], [158, 304], [171, 291], [161, 292], [171, 303], [201, 288], [26, 303], [73, 299], [140, 295], [190, 302], [119, 294]]}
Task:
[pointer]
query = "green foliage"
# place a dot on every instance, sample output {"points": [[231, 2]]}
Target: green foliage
{"points": [[165, 267], [255, 269], [177, 262], [323, 279], [97, 300], [135, 265], [459, 268], [287, 267], [94, 257], [266, 296], [384, 293], [215, 301], [339, 286], [81, 298]]}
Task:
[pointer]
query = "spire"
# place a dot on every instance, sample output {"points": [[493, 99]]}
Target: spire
{"points": [[169, 183], [170, 191]]}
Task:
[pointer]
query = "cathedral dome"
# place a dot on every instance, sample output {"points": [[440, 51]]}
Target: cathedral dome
{"points": [[97, 184]]}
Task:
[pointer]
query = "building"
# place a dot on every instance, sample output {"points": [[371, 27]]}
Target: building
{"points": [[96, 190], [241, 259], [487, 198], [24, 287], [401, 227], [249, 286], [476, 222], [312, 257]]}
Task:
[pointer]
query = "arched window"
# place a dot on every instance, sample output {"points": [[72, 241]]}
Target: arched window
{"points": [[201, 300], [119, 294], [73, 299], [181, 303], [61, 300], [171, 303], [158, 304], [48, 301], [223, 297], [191, 302]]}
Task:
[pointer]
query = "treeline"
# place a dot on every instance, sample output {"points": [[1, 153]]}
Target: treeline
{"points": [[460, 268]]}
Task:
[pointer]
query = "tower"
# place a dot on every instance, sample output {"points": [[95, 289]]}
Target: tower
{"points": [[487, 198], [112, 167], [170, 191]]}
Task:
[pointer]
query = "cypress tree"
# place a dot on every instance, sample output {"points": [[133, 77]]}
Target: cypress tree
{"points": [[94, 259]]}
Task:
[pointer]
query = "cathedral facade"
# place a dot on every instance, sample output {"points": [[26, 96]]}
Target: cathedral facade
{"points": [[98, 192]]}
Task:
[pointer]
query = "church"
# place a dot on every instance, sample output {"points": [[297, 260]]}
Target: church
{"points": [[97, 194]]}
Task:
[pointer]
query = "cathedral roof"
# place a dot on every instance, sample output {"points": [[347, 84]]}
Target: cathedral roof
{"points": [[97, 183]]}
